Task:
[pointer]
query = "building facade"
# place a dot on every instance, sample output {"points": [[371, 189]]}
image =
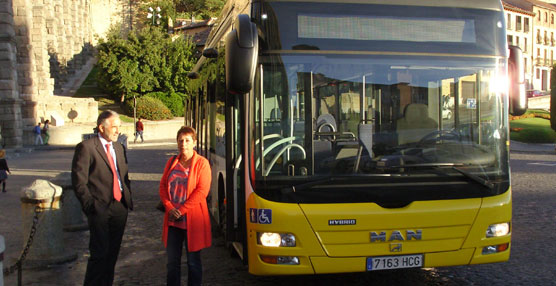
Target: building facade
{"points": [[531, 25], [519, 23], [545, 44]]}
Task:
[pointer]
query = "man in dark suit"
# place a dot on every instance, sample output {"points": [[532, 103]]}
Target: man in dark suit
{"points": [[100, 179]]}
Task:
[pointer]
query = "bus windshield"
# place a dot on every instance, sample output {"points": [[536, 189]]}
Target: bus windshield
{"points": [[331, 113]]}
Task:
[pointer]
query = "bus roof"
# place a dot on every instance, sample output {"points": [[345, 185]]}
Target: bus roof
{"points": [[476, 4]]}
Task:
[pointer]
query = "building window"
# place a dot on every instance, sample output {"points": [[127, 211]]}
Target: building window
{"points": [[525, 44], [518, 23], [552, 19], [539, 38], [539, 15], [509, 21], [538, 73], [510, 40], [546, 17], [525, 25]]}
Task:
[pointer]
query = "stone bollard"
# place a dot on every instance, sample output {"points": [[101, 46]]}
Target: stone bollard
{"points": [[71, 208], [47, 246], [2, 249]]}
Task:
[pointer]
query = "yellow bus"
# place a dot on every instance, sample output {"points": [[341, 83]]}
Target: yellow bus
{"points": [[359, 135]]}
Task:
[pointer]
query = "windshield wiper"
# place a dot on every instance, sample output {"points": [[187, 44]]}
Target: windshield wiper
{"points": [[482, 181], [453, 166]]}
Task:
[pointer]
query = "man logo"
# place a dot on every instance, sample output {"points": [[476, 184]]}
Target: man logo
{"points": [[396, 235], [395, 247]]}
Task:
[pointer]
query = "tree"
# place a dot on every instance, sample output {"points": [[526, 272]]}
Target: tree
{"points": [[147, 61], [213, 7], [201, 8]]}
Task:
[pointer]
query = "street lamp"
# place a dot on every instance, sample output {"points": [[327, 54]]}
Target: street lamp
{"points": [[151, 14]]}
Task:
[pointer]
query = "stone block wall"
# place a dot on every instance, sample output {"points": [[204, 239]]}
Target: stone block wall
{"points": [[540, 102], [10, 102], [44, 44], [80, 110]]}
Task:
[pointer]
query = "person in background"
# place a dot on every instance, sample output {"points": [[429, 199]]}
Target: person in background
{"points": [[37, 131], [100, 179], [4, 170], [46, 131], [183, 191], [138, 130]]}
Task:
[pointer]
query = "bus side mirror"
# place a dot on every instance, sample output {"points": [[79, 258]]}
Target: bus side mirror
{"points": [[517, 97], [241, 55]]}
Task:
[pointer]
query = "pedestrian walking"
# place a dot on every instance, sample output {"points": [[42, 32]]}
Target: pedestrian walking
{"points": [[37, 131], [46, 131], [99, 175], [183, 190], [4, 170], [139, 130]]}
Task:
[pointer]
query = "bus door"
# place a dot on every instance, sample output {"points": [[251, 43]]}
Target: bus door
{"points": [[235, 185]]}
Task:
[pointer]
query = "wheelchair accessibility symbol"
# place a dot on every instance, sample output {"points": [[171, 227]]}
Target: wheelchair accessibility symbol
{"points": [[262, 216]]}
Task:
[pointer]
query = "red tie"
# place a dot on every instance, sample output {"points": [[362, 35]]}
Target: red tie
{"points": [[116, 184]]}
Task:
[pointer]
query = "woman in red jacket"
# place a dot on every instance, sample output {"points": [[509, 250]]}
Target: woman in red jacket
{"points": [[183, 190]]}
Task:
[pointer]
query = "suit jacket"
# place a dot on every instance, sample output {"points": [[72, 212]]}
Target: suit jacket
{"points": [[92, 177]]}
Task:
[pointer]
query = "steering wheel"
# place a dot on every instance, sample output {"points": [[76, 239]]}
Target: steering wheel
{"points": [[289, 146], [440, 135]]}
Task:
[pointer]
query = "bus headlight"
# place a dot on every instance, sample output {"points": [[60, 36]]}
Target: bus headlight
{"points": [[288, 240], [272, 239], [499, 229]]}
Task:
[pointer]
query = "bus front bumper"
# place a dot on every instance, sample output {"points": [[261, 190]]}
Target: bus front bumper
{"points": [[323, 264]]}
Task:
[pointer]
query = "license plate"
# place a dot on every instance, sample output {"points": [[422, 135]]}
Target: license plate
{"points": [[394, 262]]}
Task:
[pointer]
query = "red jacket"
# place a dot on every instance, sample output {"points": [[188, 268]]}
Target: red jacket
{"points": [[139, 126], [195, 208]]}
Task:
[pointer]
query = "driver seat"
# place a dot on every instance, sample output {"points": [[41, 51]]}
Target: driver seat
{"points": [[415, 124], [323, 145]]}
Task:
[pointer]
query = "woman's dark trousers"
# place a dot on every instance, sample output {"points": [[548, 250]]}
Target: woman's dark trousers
{"points": [[177, 238]]}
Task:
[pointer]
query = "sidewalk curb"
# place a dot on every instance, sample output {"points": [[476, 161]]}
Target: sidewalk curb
{"points": [[516, 146]]}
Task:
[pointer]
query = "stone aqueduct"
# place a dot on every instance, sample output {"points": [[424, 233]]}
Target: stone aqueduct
{"points": [[43, 45]]}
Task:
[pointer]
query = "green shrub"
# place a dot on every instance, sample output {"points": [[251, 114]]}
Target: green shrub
{"points": [[147, 60], [172, 100], [148, 108]]}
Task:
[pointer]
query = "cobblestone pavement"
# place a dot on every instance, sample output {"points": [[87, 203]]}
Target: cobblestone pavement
{"points": [[142, 259], [533, 253]]}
